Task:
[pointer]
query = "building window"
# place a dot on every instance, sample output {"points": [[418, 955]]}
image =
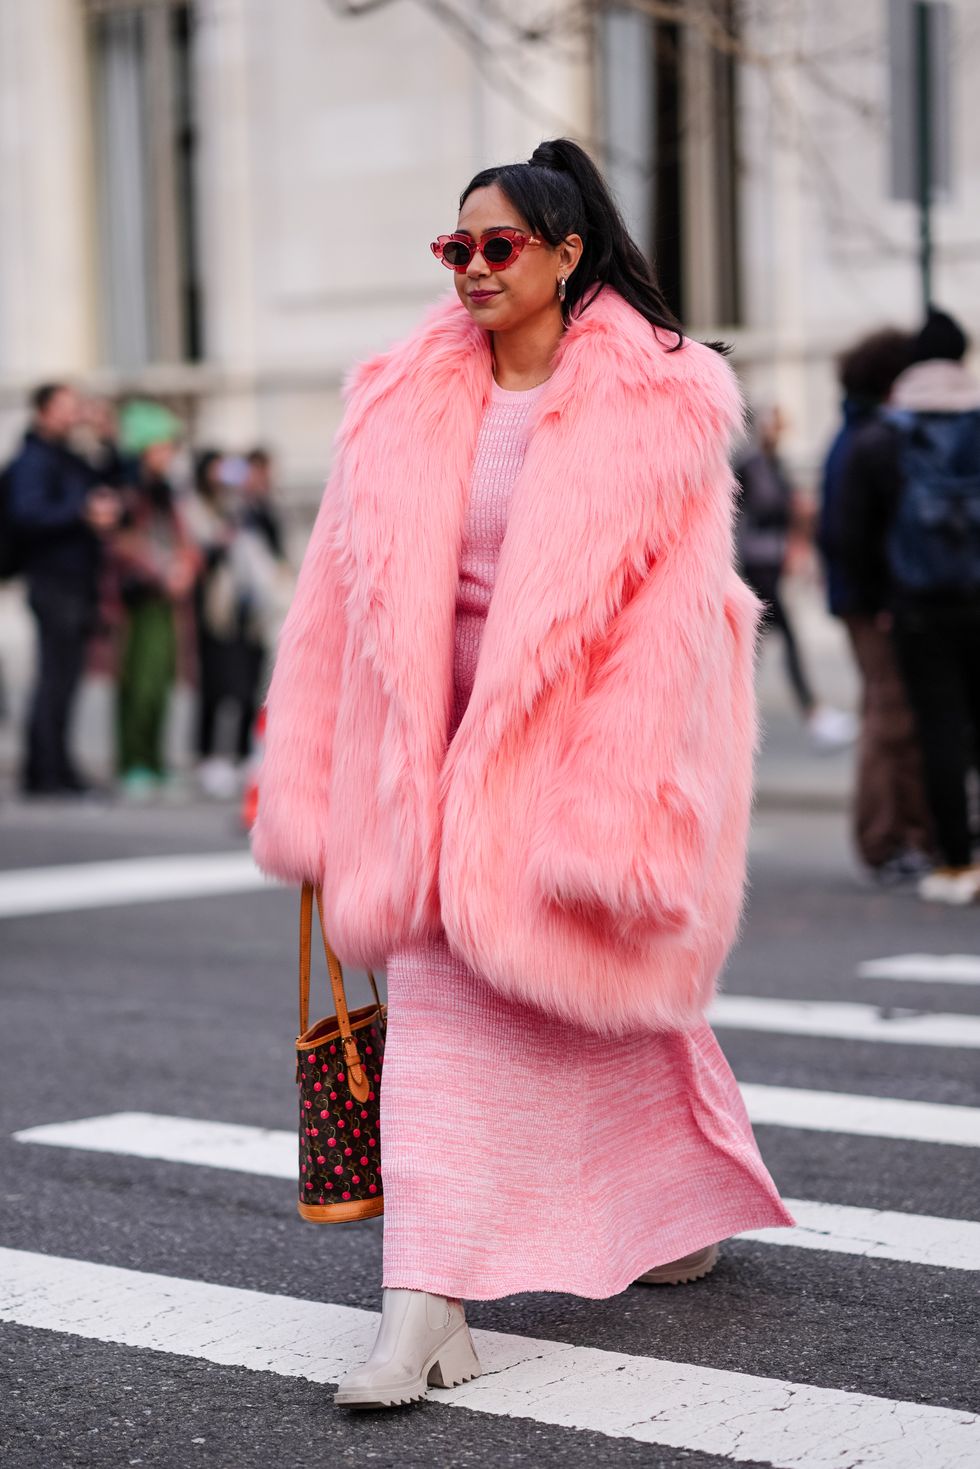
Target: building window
{"points": [[145, 152], [669, 116]]}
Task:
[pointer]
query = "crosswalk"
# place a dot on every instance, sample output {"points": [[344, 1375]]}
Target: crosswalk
{"points": [[694, 1406], [917, 1239], [843, 1020], [748, 1419]]}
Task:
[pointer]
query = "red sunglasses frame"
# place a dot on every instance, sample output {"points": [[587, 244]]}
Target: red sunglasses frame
{"points": [[517, 238]]}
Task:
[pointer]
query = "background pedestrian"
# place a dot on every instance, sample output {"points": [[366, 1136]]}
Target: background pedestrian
{"points": [[891, 822], [157, 566], [61, 513], [765, 518], [911, 536]]}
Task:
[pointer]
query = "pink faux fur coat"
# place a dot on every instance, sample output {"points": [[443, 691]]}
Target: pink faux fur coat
{"points": [[583, 837]]}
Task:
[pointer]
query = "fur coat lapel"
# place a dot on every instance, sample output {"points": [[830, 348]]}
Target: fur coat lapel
{"points": [[582, 838], [580, 530]]}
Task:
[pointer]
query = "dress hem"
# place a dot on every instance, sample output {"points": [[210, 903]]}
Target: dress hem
{"points": [[458, 1289]]}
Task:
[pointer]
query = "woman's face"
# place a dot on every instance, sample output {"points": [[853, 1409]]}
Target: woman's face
{"points": [[503, 299]]}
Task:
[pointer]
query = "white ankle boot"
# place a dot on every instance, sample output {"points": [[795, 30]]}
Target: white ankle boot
{"points": [[680, 1272], [423, 1341]]}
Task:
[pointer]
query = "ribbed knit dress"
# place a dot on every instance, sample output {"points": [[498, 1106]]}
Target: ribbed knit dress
{"points": [[520, 1152]]}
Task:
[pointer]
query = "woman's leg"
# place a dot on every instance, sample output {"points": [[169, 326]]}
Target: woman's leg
{"points": [[144, 687], [795, 671], [208, 695], [161, 677], [891, 813], [253, 660], [930, 664]]}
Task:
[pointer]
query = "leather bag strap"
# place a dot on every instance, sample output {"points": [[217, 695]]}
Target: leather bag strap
{"points": [[357, 1077]]}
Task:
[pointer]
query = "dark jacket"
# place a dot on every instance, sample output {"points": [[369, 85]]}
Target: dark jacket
{"points": [[263, 519], [48, 488], [764, 501], [843, 597], [873, 481]]}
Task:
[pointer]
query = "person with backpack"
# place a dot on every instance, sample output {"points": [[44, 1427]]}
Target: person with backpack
{"points": [[59, 513], [911, 536], [891, 824]]}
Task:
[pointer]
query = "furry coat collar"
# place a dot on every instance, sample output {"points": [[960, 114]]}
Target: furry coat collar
{"points": [[582, 837]]}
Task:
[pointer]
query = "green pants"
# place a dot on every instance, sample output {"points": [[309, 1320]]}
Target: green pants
{"points": [[149, 663]]}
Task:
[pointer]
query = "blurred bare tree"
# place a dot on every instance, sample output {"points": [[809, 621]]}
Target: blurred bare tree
{"points": [[503, 36]]}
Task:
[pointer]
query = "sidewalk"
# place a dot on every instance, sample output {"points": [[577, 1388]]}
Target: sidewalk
{"points": [[790, 775]]}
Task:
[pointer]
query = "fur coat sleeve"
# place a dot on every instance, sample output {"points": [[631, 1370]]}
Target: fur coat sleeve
{"points": [[290, 839]]}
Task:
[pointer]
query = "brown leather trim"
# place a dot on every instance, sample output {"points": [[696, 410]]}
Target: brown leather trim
{"points": [[358, 1081], [342, 1213], [360, 1019]]}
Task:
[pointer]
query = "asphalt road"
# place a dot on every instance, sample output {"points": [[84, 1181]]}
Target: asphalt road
{"points": [[186, 1008]]}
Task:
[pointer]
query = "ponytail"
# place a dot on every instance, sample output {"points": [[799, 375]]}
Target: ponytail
{"points": [[560, 192]]}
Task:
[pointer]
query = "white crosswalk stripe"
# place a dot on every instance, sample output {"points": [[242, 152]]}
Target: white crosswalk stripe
{"points": [[786, 1424], [841, 1020], [81, 885], [879, 1234], [924, 968], [852, 1112], [917, 1239]]}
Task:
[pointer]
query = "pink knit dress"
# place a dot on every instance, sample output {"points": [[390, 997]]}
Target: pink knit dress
{"points": [[520, 1152]]}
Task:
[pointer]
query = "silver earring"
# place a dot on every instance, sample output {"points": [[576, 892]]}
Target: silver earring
{"points": [[562, 287]]}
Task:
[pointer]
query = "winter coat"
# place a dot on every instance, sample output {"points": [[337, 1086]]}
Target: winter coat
{"points": [[843, 599], [764, 501], [582, 837], [48, 494], [873, 482]]}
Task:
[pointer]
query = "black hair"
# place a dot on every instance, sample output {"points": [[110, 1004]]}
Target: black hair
{"points": [[203, 464], [259, 456], [868, 369], [941, 337], [560, 192], [42, 396]]}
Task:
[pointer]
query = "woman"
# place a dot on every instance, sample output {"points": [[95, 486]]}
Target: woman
{"points": [[229, 659], [546, 847], [764, 523], [157, 564]]}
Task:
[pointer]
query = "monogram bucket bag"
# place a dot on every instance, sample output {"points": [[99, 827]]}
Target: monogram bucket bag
{"points": [[338, 1072]]}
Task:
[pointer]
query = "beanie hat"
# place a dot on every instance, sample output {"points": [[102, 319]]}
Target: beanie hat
{"points": [[143, 424], [941, 337]]}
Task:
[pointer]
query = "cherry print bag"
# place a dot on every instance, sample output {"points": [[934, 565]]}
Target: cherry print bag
{"points": [[338, 1070]]}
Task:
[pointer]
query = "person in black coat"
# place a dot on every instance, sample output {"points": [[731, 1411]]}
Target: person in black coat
{"points": [[929, 442], [892, 826], [62, 514]]}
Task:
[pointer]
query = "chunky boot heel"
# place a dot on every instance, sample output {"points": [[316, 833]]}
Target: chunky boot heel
{"points": [[682, 1271], [457, 1361], [423, 1340]]}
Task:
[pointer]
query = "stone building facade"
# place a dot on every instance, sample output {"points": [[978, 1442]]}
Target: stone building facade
{"points": [[227, 202]]}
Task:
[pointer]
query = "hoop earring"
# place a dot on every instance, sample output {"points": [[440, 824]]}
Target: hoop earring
{"points": [[562, 287]]}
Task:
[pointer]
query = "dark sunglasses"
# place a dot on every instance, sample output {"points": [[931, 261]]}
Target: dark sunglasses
{"points": [[499, 248]]}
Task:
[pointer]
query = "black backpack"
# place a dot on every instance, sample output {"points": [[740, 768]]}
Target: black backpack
{"points": [[934, 542], [11, 535]]}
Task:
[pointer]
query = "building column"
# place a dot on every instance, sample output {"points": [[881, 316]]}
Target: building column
{"points": [[47, 285], [226, 215], [774, 243]]}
